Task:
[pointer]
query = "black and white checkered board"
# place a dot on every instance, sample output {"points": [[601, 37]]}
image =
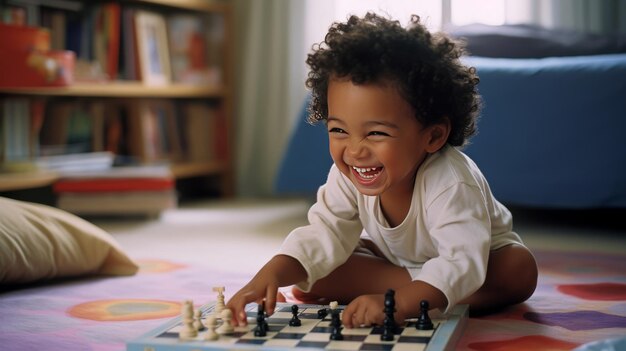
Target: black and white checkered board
{"points": [[313, 334]]}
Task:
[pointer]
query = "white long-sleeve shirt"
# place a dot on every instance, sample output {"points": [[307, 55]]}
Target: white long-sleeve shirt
{"points": [[445, 239]]}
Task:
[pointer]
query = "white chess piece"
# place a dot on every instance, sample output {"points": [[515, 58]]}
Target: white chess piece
{"points": [[334, 305], [197, 320], [188, 330], [211, 323], [220, 304], [226, 327]]}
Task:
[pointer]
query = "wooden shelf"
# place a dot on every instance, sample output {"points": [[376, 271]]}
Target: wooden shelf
{"points": [[195, 5], [123, 89], [126, 102], [187, 170], [26, 180]]}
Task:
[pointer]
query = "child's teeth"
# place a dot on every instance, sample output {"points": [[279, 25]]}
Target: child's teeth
{"points": [[363, 171]]}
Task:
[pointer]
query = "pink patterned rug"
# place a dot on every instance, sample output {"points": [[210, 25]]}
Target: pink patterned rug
{"points": [[581, 298]]}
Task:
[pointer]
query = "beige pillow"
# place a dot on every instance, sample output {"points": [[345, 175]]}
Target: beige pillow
{"points": [[39, 242]]}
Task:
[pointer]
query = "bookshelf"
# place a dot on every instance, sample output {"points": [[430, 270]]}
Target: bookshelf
{"points": [[208, 89], [124, 89]]}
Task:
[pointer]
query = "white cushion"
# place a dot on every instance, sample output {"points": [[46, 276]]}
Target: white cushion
{"points": [[39, 242]]}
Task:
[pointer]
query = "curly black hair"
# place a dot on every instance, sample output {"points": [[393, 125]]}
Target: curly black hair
{"points": [[424, 67]]}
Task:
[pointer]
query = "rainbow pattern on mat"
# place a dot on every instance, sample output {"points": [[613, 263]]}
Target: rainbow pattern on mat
{"points": [[581, 298], [125, 310]]}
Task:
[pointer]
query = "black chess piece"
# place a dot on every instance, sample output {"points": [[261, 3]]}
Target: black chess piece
{"points": [[389, 324], [261, 324], [423, 321], [322, 313], [295, 321], [335, 323]]}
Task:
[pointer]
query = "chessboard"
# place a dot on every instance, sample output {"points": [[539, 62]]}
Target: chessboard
{"points": [[313, 333]]}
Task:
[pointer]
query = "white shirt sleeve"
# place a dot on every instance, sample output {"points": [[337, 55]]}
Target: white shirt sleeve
{"points": [[459, 225], [333, 231]]}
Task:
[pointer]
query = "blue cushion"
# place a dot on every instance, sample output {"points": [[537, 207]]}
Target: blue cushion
{"points": [[552, 131], [552, 134], [306, 161]]}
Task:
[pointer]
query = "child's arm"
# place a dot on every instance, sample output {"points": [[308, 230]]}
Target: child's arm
{"points": [[368, 309], [281, 270]]}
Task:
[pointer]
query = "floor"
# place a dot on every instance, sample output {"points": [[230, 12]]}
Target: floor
{"points": [[240, 235]]}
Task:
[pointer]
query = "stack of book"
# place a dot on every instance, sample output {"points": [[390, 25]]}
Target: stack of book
{"points": [[140, 190], [80, 162]]}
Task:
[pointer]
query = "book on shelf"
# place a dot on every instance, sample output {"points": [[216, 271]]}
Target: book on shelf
{"points": [[129, 59], [70, 126], [124, 40], [155, 131], [99, 185], [20, 123], [154, 171], [106, 37], [118, 203], [67, 164], [91, 133], [119, 190], [204, 132]]}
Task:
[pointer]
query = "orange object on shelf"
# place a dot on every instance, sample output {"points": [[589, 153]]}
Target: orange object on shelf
{"points": [[23, 38], [26, 59], [36, 68]]}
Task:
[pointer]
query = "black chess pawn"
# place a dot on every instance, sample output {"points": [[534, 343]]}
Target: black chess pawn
{"points": [[295, 321], [389, 324], [261, 324], [423, 321], [335, 323]]}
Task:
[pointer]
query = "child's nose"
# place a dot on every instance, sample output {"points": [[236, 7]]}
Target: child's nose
{"points": [[356, 149]]}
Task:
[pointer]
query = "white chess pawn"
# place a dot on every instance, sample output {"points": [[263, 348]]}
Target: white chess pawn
{"points": [[197, 320], [188, 330], [211, 323], [187, 309], [226, 327]]}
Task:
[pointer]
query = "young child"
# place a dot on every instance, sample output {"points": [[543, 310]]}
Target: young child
{"points": [[402, 207]]}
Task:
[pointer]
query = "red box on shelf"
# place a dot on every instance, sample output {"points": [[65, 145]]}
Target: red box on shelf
{"points": [[21, 69], [24, 38], [26, 59]]}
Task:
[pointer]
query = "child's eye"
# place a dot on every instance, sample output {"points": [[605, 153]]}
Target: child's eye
{"points": [[377, 133], [336, 130]]}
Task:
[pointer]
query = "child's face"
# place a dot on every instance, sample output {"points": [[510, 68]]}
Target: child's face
{"points": [[375, 140]]}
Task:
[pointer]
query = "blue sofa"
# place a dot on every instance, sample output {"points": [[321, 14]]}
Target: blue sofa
{"points": [[552, 133]]}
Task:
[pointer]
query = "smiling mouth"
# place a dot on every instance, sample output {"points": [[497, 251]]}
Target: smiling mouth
{"points": [[367, 174]]}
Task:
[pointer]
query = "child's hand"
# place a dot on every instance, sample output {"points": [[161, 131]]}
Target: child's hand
{"points": [[279, 271], [261, 287], [367, 310]]}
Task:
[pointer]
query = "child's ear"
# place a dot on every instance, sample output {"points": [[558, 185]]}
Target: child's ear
{"points": [[438, 134]]}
